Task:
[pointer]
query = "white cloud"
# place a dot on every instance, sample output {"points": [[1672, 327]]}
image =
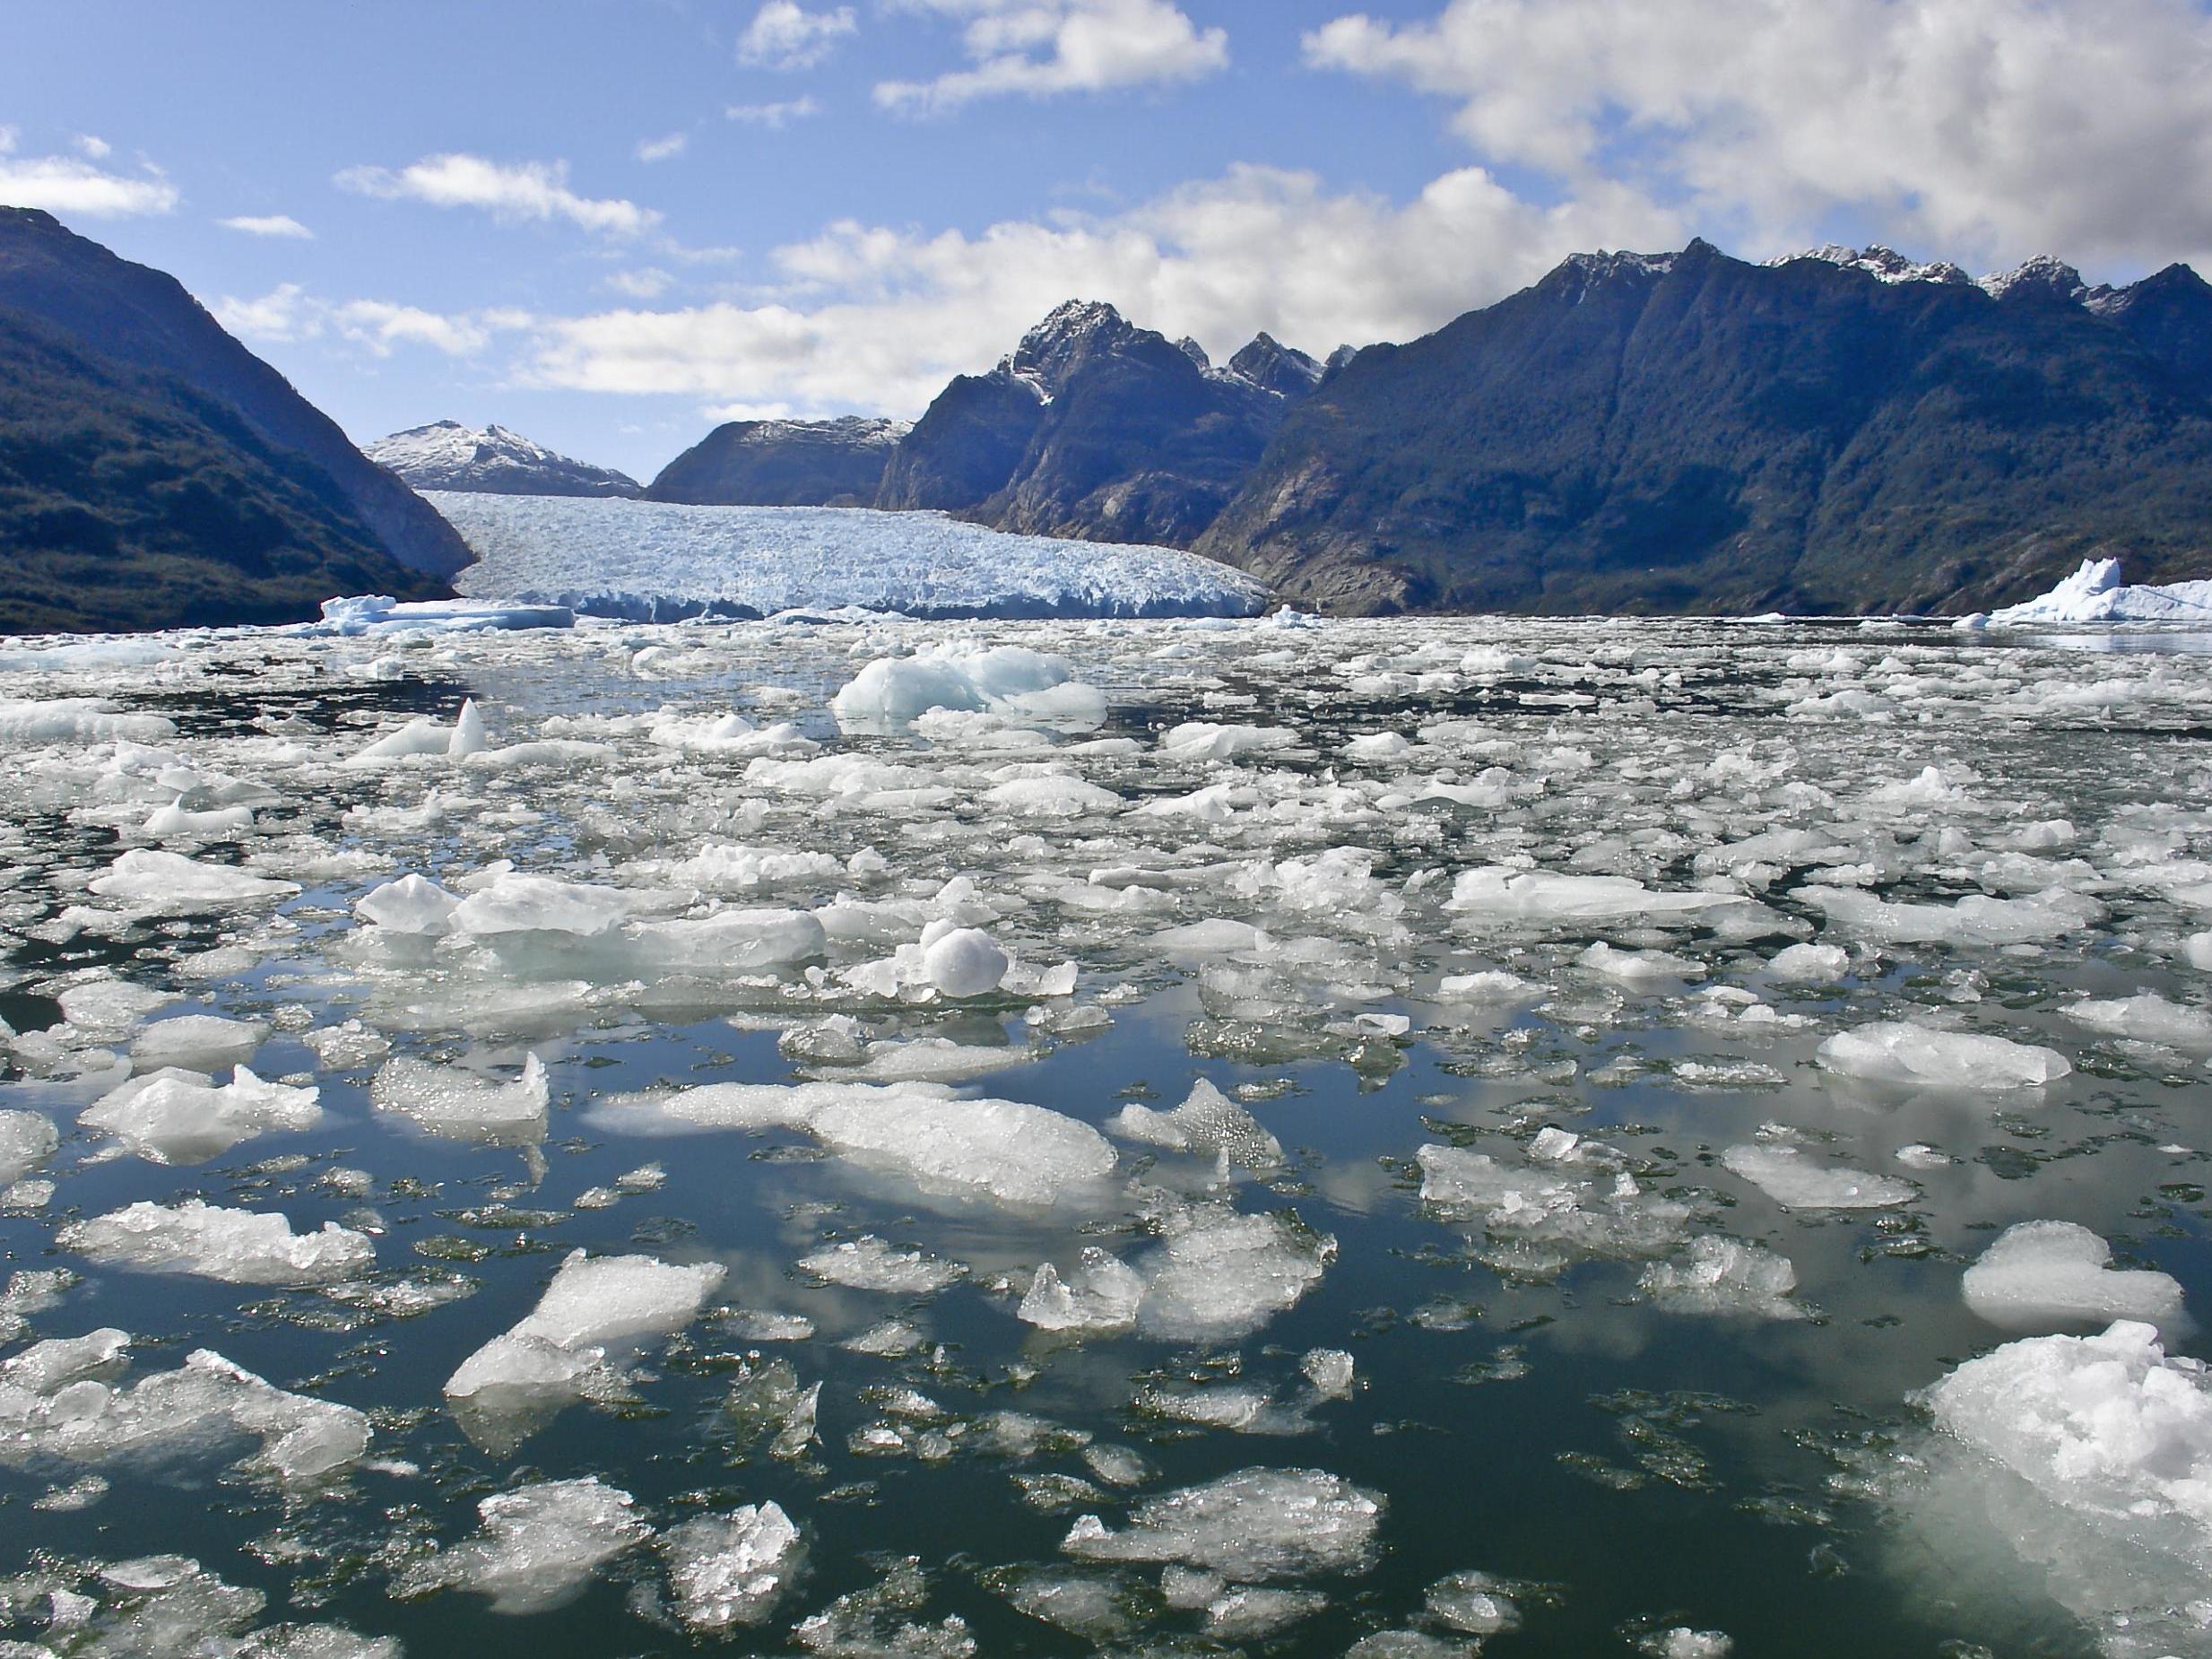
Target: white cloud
{"points": [[1985, 129], [268, 224], [774, 117], [663, 149], [876, 318], [509, 191], [93, 149], [288, 314], [67, 184], [649, 283], [785, 35], [1043, 48]]}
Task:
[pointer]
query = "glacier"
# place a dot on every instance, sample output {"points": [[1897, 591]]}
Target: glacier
{"points": [[658, 561]]}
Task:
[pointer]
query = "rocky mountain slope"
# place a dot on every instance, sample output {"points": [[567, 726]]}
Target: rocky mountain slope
{"points": [[449, 455], [153, 472], [144, 320], [783, 464], [1841, 431], [1097, 429]]}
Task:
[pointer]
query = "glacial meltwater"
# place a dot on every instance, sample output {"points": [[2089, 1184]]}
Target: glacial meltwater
{"points": [[867, 1137]]}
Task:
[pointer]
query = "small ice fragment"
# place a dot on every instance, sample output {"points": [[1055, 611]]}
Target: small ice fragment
{"points": [[964, 962], [1251, 1526], [868, 1263], [410, 904], [1786, 1175], [238, 1246], [2040, 1273], [1724, 1276], [730, 1569], [1329, 1370], [196, 1042], [536, 1546], [1900, 1052], [1810, 964]]}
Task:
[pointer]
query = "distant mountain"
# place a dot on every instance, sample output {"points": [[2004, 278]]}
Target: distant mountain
{"points": [[136, 492], [144, 320], [1096, 429], [783, 464], [1842, 431], [448, 456]]}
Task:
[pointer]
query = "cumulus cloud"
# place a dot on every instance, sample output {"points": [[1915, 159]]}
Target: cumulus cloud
{"points": [[509, 191], [1040, 48], [663, 149], [774, 117], [268, 224], [74, 186], [785, 35], [93, 148], [288, 314], [870, 316], [1976, 128]]}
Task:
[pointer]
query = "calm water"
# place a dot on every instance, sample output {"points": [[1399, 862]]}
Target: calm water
{"points": [[1632, 1468]]}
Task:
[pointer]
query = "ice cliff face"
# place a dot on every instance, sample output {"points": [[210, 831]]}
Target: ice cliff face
{"points": [[448, 456]]}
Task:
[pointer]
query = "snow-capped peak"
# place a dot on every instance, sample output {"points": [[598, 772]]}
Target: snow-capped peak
{"points": [[1884, 264], [1273, 367], [446, 455], [2041, 274]]}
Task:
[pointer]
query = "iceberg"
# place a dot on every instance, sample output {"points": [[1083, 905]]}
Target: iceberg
{"points": [[2097, 593]]}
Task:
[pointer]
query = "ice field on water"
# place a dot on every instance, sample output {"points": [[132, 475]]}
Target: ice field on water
{"points": [[1399, 1139]]}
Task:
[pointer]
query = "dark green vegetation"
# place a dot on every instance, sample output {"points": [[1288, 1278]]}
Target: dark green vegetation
{"points": [[782, 463], [153, 473], [1700, 434]]}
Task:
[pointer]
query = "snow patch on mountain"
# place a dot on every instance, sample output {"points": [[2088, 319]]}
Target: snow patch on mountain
{"points": [[660, 561], [449, 455]]}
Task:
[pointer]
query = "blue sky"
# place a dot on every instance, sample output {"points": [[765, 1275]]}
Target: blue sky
{"points": [[608, 223]]}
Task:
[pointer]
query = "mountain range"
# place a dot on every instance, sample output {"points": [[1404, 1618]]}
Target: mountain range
{"points": [[154, 473], [449, 455]]}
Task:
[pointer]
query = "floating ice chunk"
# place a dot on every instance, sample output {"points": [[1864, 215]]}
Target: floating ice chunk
{"points": [[1208, 741], [178, 821], [420, 736], [1004, 1149], [376, 613], [535, 1548], [207, 1404], [1101, 1295], [1786, 1175], [2147, 1018], [1052, 795], [410, 904], [196, 1042], [571, 1345], [1329, 1370], [77, 720], [964, 962], [515, 903], [1724, 1276], [1918, 1155], [1976, 919], [1680, 1642], [1095, 1606], [892, 691], [1247, 1611], [2108, 1425], [1544, 1220], [2198, 950], [737, 942], [731, 1569], [864, 1623], [1915, 1056], [105, 1009], [1251, 1526], [727, 867], [1220, 1275], [1473, 1603], [868, 1263], [2040, 1273], [2097, 593], [170, 883], [1547, 899], [447, 1100], [1207, 1124], [1639, 966], [1489, 989], [180, 1117], [1216, 936], [238, 1246], [27, 1140], [1810, 964]]}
